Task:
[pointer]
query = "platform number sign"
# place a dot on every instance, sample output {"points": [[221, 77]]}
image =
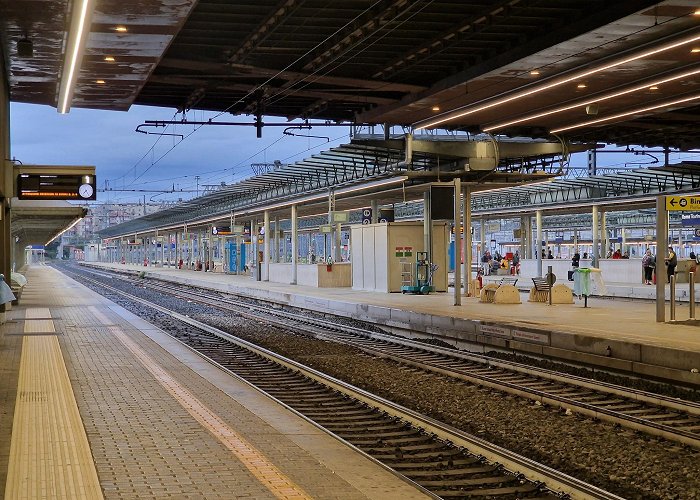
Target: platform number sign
{"points": [[366, 216]]}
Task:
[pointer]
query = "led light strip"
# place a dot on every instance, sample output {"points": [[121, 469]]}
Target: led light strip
{"points": [[590, 101], [628, 113], [72, 58], [542, 88]]}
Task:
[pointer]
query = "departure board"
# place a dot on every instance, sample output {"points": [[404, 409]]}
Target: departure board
{"points": [[56, 187]]}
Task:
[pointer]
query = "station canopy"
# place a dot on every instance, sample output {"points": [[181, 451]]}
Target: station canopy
{"points": [[622, 71], [37, 222], [370, 168]]}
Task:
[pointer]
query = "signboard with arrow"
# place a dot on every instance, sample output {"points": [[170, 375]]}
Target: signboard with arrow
{"points": [[680, 203]]}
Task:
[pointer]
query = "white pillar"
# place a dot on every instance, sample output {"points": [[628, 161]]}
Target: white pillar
{"points": [[595, 232], [604, 239], [295, 237], [266, 244], [483, 238], [467, 217], [661, 244], [458, 242], [540, 247], [276, 251]]}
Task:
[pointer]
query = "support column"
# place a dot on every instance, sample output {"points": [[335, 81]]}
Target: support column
{"points": [[661, 244], [604, 238], [483, 238], [467, 217], [595, 232], [523, 238], [266, 244], [338, 243], [427, 226], [458, 242], [374, 205], [276, 251], [295, 242], [681, 250], [540, 248]]}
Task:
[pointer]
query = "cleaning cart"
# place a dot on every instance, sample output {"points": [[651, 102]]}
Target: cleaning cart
{"points": [[418, 278]]}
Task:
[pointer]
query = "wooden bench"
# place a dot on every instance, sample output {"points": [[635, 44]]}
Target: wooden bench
{"points": [[490, 292], [541, 290]]}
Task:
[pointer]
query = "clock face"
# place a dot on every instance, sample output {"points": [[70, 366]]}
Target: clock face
{"points": [[86, 191]]}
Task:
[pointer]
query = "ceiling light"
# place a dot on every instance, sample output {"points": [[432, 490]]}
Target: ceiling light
{"points": [[74, 49], [697, 12], [581, 86], [654, 87], [592, 100], [101, 82], [695, 50], [475, 108], [627, 113], [121, 29], [534, 72], [436, 108], [109, 58]]}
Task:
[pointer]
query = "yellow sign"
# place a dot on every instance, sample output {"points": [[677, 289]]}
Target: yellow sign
{"points": [[683, 203]]}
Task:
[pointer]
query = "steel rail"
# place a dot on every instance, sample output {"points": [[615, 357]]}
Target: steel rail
{"points": [[535, 472], [624, 411]]}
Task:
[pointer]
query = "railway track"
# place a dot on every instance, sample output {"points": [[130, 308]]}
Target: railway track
{"points": [[653, 414], [442, 460]]}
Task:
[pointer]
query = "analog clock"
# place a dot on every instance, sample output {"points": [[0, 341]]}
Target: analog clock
{"points": [[86, 191]]}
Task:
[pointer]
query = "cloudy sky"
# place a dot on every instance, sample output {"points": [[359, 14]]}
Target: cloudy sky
{"points": [[128, 160], [131, 161]]}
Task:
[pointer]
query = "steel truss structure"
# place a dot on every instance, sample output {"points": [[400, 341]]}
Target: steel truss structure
{"points": [[348, 165], [621, 188]]}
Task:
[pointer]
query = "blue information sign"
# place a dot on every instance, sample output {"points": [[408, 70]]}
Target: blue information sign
{"points": [[690, 219]]}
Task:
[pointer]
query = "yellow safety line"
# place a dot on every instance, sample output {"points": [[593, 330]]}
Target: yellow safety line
{"points": [[263, 470], [49, 453]]}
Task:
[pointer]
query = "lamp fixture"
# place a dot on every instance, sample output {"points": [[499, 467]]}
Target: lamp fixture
{"points": [[581, 86], [697, 12], [627, 113], [593, 100], [476, 107], [109, 58], [695, 50], [100, 82], [653, 88], [121, 29], [535, 72], [436, 108], [75, 48]]}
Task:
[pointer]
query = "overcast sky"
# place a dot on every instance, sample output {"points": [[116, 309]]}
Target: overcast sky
{"points": [[130, 160]]}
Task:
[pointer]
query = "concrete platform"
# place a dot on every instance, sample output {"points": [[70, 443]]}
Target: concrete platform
{"points": [[160, 421], [637, 343]]}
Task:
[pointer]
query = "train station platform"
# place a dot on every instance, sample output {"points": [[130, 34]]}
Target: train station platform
{"points": [[614, 334], [97, 403]]}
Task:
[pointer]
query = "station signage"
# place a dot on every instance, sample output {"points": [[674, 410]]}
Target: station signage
{"points": [[221, 230], [683, 203], [56, 187], [690, 219], [366, 216]]}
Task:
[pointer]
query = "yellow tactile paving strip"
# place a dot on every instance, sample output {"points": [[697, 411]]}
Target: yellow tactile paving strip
{"points": [[263, 470], [49, 452]]}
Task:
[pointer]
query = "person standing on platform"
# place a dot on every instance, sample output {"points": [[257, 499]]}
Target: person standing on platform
{"points": [[648, 265], [671, 263]]}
